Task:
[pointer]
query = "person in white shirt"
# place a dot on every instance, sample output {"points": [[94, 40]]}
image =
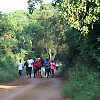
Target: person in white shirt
{"points": [[20, 66], [30, 65], [57, 65]]}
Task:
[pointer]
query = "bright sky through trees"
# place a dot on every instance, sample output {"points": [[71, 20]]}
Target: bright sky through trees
{"points": [[7, 6]]}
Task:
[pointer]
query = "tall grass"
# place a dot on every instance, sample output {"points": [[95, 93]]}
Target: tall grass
{"points": [[82, 84], [9, 74]]}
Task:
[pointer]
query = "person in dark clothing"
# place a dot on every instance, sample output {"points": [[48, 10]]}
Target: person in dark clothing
{"points": [[27, 70], [49, 67]]}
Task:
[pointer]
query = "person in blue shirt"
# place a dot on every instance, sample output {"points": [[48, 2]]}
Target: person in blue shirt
{"points": [[47, 66]]}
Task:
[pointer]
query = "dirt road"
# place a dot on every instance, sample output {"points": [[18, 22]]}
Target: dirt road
{"points": [[32, 89]]}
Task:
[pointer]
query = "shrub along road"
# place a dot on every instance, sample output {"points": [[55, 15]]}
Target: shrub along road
{"points": [[32, 89]]}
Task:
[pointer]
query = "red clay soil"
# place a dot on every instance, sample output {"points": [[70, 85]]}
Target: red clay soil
{"points": [[32, 89]]}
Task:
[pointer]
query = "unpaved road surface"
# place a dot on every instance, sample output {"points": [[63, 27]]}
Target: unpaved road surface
{"points": [[32, 89]]}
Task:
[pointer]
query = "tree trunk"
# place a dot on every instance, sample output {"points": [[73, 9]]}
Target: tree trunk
{"points": [[50, 53]]}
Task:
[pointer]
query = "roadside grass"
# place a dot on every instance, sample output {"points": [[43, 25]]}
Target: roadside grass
{"points": [[8, 70], [81, 84], [8, 67], [9, 74]]}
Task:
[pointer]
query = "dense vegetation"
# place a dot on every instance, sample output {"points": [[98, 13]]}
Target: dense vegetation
{"points": [[68, 31]]}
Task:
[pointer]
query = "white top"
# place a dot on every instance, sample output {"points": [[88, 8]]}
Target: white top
{"points": [[30, 62], [20, 65], [57, 63]]}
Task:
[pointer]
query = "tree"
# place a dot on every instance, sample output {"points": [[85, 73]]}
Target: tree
{"points": [[81, 14]]}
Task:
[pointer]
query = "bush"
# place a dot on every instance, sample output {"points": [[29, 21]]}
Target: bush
{"points": [[9, 74], [83, 84]]}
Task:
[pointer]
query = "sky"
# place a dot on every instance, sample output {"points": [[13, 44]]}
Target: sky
{"points": [[7, 6]]}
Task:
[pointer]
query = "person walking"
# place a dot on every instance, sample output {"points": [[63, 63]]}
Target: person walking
{"points": [[20, 66], [67, 63], [49, 67], [47, 64], [42, 67], [39, 67], [30, 65], [52, 64], [34, 67], [27, 69], [57, 65]]}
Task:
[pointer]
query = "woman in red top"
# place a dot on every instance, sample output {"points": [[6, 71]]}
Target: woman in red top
{"points": [[39, 67], [34, 67]]}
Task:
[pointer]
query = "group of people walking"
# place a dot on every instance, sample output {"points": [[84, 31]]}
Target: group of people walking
{"points": [[38, 66]]}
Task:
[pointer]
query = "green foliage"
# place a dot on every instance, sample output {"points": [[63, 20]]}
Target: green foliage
{"points": [[82, 84], [81, 13], [26, 36], [48, 32], [32, 3], [9, 51], [8, 68]]}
